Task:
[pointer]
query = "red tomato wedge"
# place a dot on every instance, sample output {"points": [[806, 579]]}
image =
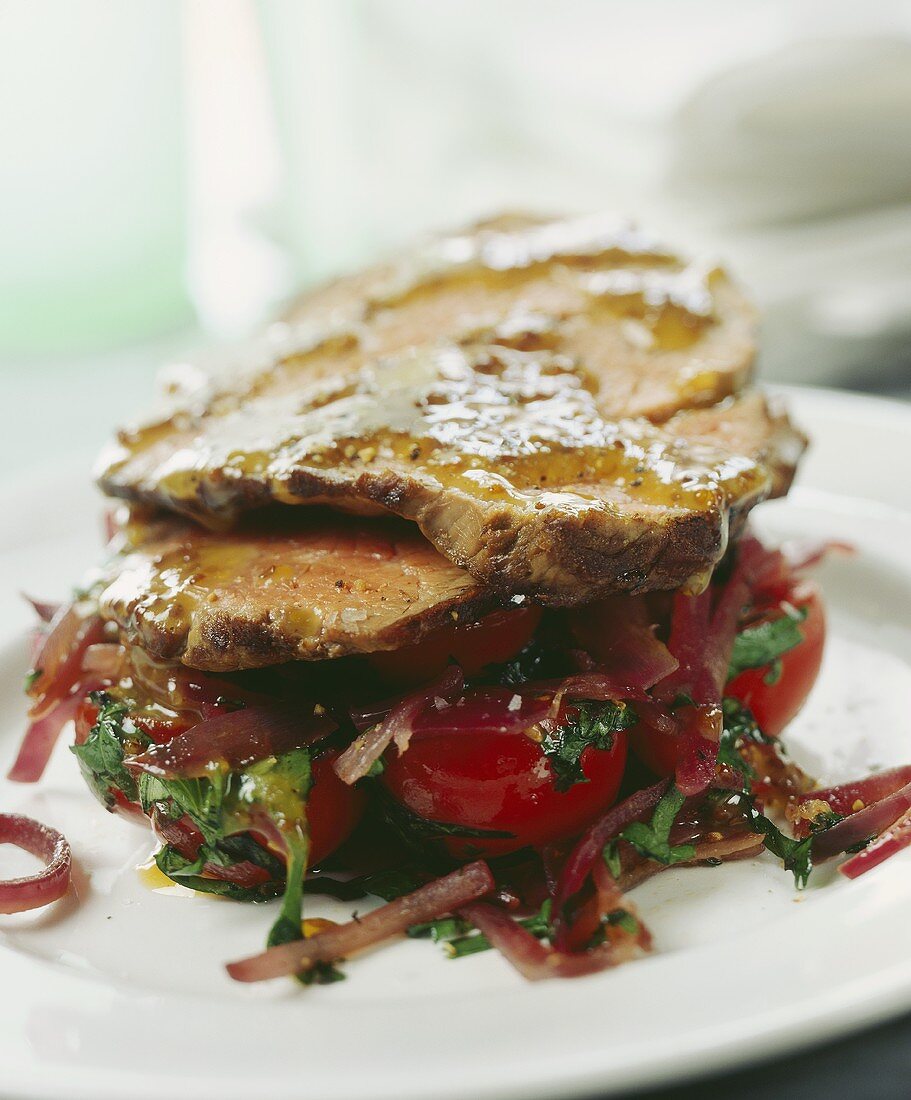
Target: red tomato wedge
{"points": [[775, 700]]}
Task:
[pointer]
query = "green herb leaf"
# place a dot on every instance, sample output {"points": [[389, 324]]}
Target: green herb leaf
{"points": [[795, 855], [175, 866], [653, 840], [763, 644], [30, 678], [460, 939], [277, 789], [595, 724], [101, 755], [739, 727], [287, 927], [321, 973]]}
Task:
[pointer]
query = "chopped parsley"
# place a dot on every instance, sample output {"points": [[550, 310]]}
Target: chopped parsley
{"points": [[766, 643], [796, 855], [595, 724]]}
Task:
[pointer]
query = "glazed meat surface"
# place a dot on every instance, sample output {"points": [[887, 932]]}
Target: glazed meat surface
{"points": [[515, 391], [294, 585]]}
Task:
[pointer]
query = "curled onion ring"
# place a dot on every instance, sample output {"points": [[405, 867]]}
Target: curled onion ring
{"points": [[32, 892]]}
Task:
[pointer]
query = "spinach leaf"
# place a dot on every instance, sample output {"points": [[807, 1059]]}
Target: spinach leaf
{"points": [[101, 755], [171, 863], [277, 789], [763, 644], [595, 724], [795, 855], [653, 840]]}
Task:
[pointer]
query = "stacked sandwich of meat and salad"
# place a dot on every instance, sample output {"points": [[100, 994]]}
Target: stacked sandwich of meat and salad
{"points": [[447, 597]]}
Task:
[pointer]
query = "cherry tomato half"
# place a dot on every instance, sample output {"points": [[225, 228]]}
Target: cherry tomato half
{"points": [[466, 773], [496, 638], [774, 704], [333, 809]]}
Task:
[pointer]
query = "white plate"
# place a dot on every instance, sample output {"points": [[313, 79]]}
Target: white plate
{"points": [[122, 992]]}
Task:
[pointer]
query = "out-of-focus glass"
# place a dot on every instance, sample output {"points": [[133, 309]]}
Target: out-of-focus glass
{"points": [[92, 173]]}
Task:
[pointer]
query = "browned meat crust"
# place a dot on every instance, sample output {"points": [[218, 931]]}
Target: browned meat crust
{"points": [[474, 389], [298, 585]]}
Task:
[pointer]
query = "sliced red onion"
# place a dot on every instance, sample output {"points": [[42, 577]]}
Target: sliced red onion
{"points": [[104, 659], [734, 598], [801, 556], [534, 960], [59, 663], [873, 820], [844, 798], [486, 710], [44, 609], [619, 634], [184, 837], [32, 892], [702, 637], [590, 846], [690, 617], [236, 739], [443, 895], [893, 840], [360, 756], [40, 739], [696, 757], [181, 688]]}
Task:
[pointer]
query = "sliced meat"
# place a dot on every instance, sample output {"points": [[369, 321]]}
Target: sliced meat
{"points": [[298, 584], [484, 388], [753, 425], [499, 456], [656, 332]]}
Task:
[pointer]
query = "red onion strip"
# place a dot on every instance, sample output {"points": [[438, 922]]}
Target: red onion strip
{"points": [[844, 798], [443, 895], [533, 959], [32, 892], [356, 761], [59, 662], [873, 820], [40, 739], [590, 846], [44, 609], [237, 739], [893, 840], [804, 555], [104, 659]]}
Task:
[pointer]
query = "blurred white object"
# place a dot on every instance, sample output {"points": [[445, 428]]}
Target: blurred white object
{"points": [[812, 129]]}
